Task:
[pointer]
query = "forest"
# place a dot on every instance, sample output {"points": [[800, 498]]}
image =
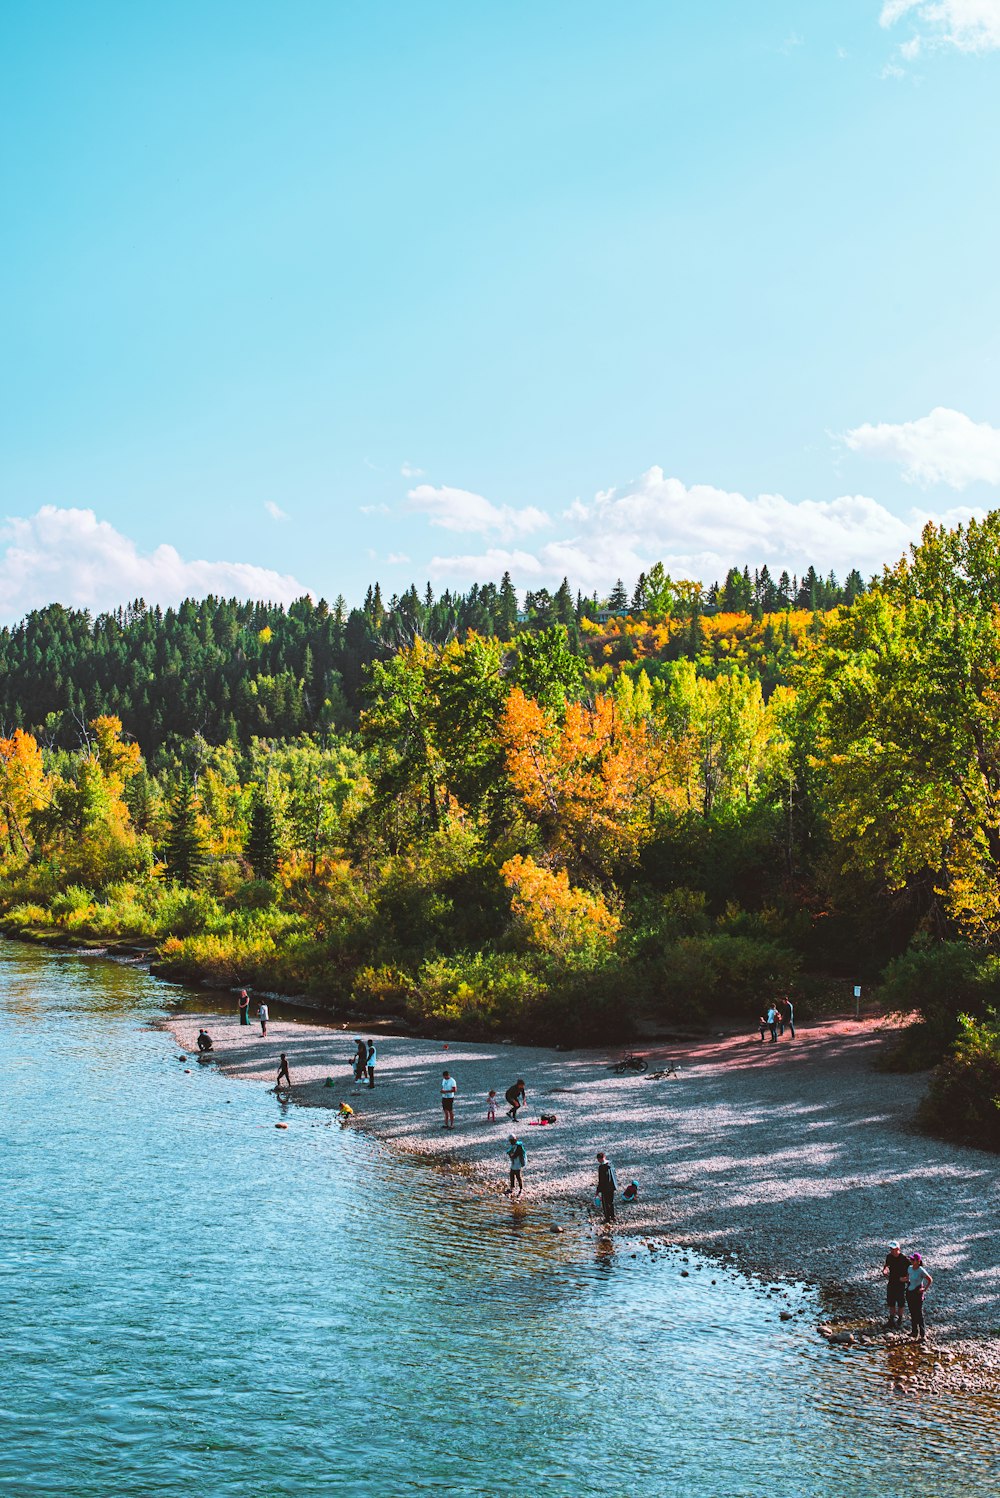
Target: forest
{"points": [[560, 821]]}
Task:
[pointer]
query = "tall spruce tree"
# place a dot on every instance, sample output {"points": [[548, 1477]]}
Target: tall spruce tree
{"points": [[262, 840], [184, 852]]}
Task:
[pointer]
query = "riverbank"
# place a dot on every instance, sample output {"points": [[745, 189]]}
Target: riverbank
{"points": [[798, 1160]]}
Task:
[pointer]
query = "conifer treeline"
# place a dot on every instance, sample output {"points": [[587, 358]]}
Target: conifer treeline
{"points": [[231, 671]]}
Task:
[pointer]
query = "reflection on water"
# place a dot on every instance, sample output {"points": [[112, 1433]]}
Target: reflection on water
{"points": [[202, 1304]]}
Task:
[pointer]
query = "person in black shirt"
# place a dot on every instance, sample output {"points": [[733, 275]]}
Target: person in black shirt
{"points": [[515, 1096], [607, 1185], [895, 1267]]}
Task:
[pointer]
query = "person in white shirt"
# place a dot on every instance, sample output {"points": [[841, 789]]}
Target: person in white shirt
{"points": [[449, 1087], [263, 1016]]}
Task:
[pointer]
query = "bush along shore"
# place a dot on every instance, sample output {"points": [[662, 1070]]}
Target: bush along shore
{"points": [[577, 826]]}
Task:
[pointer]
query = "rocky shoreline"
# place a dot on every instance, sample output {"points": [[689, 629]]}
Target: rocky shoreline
{"points": [[795, 1162]]}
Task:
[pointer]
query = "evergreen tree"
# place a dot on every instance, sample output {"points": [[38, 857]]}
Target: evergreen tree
{"points": [[639, 596], [618, 601], [563, 611], [506, 614], [262, 840], [184, 852], [854, 586]]}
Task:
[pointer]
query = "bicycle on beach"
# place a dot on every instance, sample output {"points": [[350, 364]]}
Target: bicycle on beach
{"points": [[630, 1062]]}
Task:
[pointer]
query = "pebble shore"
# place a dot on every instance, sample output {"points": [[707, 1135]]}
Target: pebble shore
{"points": [[795, 1161]]}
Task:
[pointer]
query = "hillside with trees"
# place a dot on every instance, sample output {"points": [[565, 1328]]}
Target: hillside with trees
{"points": [[558, 821]]}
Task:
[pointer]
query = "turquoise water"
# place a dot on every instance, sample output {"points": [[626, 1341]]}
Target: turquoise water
{"points": [[200, 1304]]}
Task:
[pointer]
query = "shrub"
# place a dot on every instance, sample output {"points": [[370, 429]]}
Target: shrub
{"points": [[940, 981], [964, 1097], [703, 975]]}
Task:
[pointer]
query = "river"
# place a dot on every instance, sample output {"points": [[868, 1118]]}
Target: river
{"points": [[200, 1304]]}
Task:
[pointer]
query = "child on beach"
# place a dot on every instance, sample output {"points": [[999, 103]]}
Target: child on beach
{"points": [[491, 1106], [263, 1016]]}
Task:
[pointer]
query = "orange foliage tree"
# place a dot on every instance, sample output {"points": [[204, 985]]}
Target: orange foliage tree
{"points": [[592, 782]]}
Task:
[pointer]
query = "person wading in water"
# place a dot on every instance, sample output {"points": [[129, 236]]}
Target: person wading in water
{"points": [[607, 1185]]}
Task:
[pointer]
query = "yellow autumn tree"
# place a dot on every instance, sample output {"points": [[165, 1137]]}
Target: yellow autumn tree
{"points": [[573, 926], [22, 788]]}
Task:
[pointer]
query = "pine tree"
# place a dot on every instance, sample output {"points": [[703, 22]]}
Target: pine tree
{"points": [[618, 601], [639, 596], [184, 853], [506, 614], [262, 840]]}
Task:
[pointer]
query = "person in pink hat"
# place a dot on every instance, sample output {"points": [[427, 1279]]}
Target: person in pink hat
{"points": [[918, 1282]]}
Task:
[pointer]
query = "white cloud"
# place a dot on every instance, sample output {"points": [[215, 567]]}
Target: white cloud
{"points": [[700, 532], [968, 25], [275, 511], [945, 447], [410, 472], [375, 509], [461, 510], [396, 558], [68, 556]]}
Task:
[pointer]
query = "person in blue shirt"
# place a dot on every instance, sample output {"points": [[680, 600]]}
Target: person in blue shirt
{"points": [[517, 1157]]}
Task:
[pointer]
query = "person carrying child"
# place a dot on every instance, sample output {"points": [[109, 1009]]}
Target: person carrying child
{"points": [[518, 1158]]}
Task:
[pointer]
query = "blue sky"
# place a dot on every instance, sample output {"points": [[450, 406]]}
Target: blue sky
{"points": [[299, 296]]}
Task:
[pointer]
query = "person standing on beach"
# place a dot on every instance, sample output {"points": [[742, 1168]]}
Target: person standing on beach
{"points": [[787, 1015], [263, 1016], [918, 1282], [772, 1022], [895, 1269], [515, 1096], [283, 1072], [607, 1185], [371, 1062], [244, 1007], [518, 1158], [360, 1061], [449, 1087]]}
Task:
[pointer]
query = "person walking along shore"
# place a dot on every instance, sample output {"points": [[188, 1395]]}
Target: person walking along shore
{"points": [[517, 1156], [449, 1087], [263, 1016]]}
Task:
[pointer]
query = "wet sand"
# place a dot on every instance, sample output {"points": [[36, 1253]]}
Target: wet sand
{"points": [[797, 1158]]}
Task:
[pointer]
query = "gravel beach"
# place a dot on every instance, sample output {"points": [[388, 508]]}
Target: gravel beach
{"points": [[797, 1158]]}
